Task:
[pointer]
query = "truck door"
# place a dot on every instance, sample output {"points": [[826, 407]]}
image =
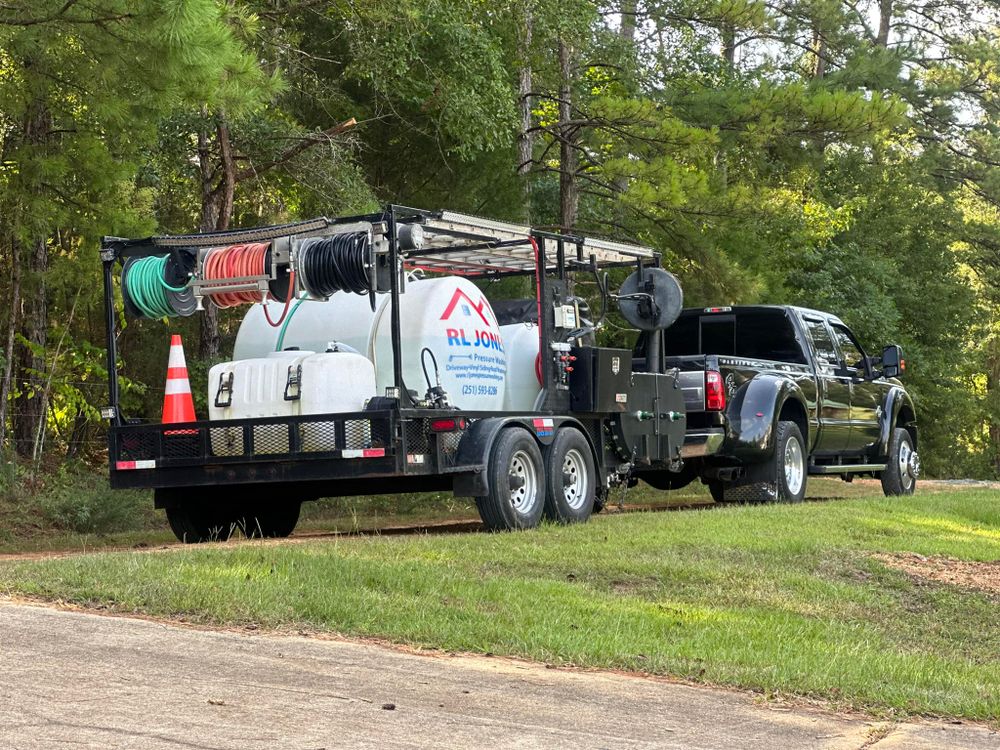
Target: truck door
{"points": [[833, 390], [866, 396]]}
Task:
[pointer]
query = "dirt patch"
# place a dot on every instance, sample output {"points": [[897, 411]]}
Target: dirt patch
{"points": [[967, 574]]}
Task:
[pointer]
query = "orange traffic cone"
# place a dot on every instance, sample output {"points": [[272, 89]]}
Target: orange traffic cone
{"points": [[178, 406]]}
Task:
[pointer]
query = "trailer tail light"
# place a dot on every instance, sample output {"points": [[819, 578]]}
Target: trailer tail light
{"points": [[715, 391], [452, 424]]}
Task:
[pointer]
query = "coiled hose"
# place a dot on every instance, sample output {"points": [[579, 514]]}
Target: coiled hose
{"points": [[338, 263], [143, 284]]}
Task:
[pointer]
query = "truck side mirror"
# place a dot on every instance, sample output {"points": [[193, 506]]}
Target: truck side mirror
{"points": [[893, 364]]}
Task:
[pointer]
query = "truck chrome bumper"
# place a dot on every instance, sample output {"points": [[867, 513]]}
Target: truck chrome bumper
{"points": [[702, 443]]}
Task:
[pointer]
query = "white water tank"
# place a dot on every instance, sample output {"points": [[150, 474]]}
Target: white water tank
{"points": [[310, 325], [521, 343], [332, 383], [447, 315], [252, 388], [285, 384], [452, 318]]}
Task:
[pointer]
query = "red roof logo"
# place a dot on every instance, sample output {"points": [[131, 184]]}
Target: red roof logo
{"points": [[458, 296]]}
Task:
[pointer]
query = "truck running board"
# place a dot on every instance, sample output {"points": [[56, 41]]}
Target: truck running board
{"points": [[846, 468]]}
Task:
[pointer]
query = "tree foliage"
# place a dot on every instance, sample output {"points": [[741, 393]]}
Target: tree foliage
{"points": [[839, 154]]}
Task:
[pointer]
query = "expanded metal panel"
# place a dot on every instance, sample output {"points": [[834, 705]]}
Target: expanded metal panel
{"points": [[140, 446], [358, 434], [319, 437], [181, 444], [448, 446], [415, 438], [271, 439]]}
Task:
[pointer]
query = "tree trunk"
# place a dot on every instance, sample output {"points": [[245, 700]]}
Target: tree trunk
{"points": [[819, 47], [525, 142], [728, 47], [884, 23], [29, 408], [12, 323], [628, 10], [216, 212], [568, 196]]}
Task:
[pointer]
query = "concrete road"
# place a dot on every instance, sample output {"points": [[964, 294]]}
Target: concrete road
{"points": [[77, 680]]}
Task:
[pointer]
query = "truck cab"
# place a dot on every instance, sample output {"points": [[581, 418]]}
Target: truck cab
{"points": [[776, 393]]}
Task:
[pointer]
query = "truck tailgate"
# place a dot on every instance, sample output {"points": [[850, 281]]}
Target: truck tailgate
{"points": [[693, 386]]}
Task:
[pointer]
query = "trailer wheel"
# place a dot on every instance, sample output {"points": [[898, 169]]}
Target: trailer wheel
{"points": [[516, 496], [271, 521], [193, 525], [717, 489], [571, 480]]}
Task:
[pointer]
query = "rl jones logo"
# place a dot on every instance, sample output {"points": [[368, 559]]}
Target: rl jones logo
{"points": [[457, 336]]}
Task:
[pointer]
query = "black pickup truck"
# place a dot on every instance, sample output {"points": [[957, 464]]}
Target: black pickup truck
{"points": [[774, 394]]}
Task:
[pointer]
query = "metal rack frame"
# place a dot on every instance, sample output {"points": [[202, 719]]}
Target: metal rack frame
{"points": [[454, 243]]}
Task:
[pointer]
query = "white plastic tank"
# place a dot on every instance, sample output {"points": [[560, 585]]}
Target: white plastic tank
{"points": [[521, 343], [454, 320], [256, 388], [310, 325], [332, 383], [447, 315]]}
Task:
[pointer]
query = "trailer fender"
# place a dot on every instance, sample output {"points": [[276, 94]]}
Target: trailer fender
{"points": [[897, 412], [477, 444], [753, 413]]}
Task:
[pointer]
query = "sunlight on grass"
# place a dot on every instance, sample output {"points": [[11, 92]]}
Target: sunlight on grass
{"points": [[775, 598]]}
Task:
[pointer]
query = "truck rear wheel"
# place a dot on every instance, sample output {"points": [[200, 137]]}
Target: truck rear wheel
{"points": [[781, 478], [903, 467], [516, 476], [272, 521], [571, 481]]}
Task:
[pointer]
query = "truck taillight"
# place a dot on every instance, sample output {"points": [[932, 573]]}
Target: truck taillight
{"points": [[715, 391], [451, 424]]}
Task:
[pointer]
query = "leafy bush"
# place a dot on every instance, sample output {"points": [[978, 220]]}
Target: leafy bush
{"points": [[84, 503]]}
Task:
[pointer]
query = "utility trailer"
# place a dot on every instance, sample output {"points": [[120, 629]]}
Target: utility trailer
{"points": [[593, 424]]}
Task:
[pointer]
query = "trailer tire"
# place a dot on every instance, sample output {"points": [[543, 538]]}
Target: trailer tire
{"points": [[570, 477], [195, 524], [274, 520], [516, 474], [717, 489]]}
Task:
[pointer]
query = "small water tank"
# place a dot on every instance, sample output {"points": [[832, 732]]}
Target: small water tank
{"points": [[252, 388], [333, 383], [521, 343]]}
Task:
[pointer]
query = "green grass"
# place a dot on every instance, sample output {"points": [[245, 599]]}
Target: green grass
{"points": [[783, 599]]}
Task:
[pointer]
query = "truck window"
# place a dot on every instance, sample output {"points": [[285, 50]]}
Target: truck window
{"points": [[854, 358], [762, 333], [826, 353]]}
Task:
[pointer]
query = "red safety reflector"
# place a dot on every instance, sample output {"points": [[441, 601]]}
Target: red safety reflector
{"points": [[715, 391], [363, 453], [452, 424], [130, 465]]}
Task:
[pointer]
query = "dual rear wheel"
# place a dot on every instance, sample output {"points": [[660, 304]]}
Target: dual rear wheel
{"points": [[527, 482]]}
